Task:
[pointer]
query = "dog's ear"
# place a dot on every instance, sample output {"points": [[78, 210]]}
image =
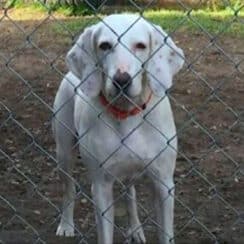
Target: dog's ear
{"points": [[165, 61], [82, 62]]}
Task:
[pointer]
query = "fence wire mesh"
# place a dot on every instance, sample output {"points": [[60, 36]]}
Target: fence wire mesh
{"points": [[207, 101]]}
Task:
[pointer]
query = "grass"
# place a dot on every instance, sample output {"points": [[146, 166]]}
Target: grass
{"points": [[223, 21], [212, 21]]}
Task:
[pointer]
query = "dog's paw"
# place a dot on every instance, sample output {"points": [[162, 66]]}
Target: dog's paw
{"points": [[65, 229], [135, 235]]}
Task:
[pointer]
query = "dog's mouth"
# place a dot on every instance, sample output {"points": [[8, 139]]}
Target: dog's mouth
{"points": [[122, 99], [119, 111]]}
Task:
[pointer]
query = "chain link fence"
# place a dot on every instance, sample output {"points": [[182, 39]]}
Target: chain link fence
{"points": [[208, 104]]}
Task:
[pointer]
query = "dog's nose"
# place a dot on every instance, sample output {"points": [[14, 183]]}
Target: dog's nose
{"points": [[122, 80]]}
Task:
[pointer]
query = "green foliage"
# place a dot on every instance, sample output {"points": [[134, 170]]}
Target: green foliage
{"points": [[23, 3], [236, 5], [14, 3], [80, 10], [215, 5], [66, 9]]}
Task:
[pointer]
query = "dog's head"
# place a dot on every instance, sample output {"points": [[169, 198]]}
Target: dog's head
{"points": [[122, 56]]}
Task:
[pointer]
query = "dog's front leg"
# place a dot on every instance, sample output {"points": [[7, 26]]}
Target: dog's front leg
{"points": [[135, 232], [164, 205], [66, 226], [64, 131], [102, 193]]}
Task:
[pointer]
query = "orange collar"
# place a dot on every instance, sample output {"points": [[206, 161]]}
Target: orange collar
{"points": [[122, 114]]}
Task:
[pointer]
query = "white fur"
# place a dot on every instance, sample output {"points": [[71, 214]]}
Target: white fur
{"points": [[113, 149]]}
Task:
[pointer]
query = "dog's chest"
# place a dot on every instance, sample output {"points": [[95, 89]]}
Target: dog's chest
{"points": [[120, 148]]}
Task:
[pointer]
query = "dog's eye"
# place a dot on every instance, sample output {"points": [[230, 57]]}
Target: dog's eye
{"points": [[105, 46], [140, 46]]}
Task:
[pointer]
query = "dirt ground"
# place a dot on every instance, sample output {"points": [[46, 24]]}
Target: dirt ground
{"points": [[207, 99]]}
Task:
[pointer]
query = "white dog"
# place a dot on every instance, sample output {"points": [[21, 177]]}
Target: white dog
{"points": [[115, 99]]}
